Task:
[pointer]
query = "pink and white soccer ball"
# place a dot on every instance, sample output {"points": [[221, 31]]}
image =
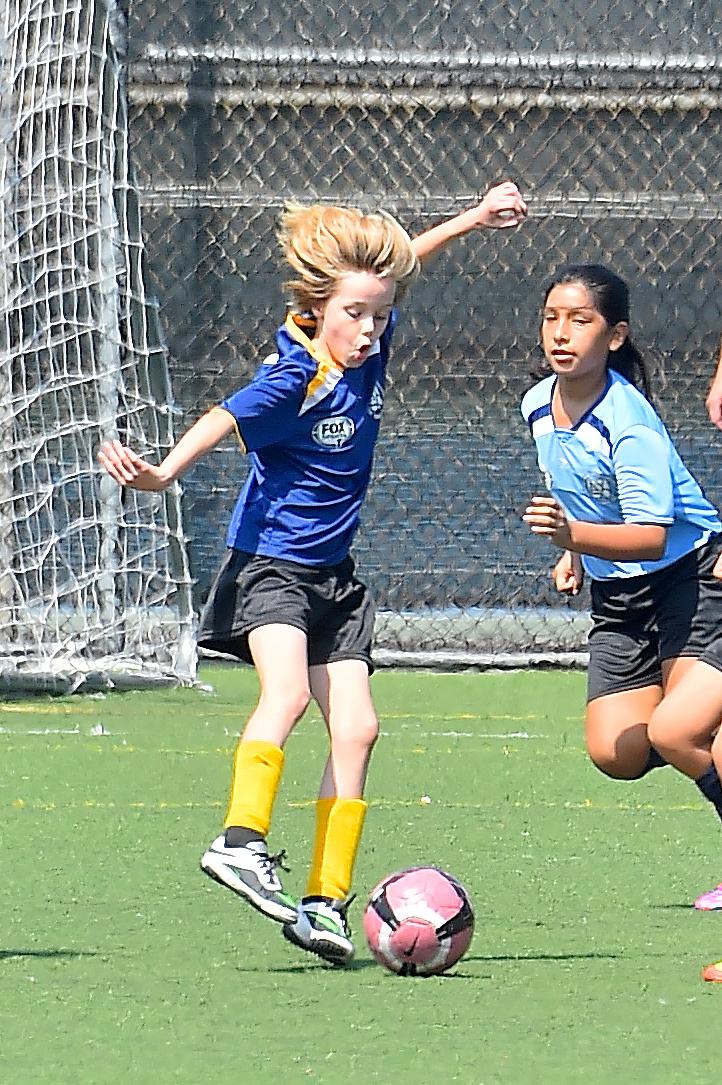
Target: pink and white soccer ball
{"points": [[419, 922]]}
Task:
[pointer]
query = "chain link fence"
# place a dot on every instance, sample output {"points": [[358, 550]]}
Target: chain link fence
{"points": [[417, 109]]}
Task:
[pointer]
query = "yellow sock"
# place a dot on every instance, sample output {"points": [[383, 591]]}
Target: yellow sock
{"points": [[323, 812], [339, 824], [257, 770]]}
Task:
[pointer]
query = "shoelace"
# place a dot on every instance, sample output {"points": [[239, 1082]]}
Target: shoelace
{"points": [[342, 910], [269, 864], [277, 860]]}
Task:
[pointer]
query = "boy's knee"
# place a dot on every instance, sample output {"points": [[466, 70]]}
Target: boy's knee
{"points": [[292, 702], [368, 732], [362, 732]]}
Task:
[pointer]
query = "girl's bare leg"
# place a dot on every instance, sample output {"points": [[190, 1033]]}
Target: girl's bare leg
{"points": [[616, 731]]}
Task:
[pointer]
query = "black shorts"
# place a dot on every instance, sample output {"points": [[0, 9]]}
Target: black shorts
{"points": [[640, 621], [327, 602]]}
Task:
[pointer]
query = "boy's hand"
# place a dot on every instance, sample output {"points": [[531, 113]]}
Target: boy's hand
{"points": [[545, 516], [501, 208], [128, 469]]}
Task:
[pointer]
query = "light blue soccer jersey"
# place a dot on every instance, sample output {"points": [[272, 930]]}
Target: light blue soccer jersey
{"points": [[618, 465], [310, 427]]}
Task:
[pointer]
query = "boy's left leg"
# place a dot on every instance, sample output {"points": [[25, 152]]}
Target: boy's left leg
{"points": [[342, 691]]}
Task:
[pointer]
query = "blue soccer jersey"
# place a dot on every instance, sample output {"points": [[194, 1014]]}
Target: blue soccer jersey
{"points": [[310, 427], [618, 465]]}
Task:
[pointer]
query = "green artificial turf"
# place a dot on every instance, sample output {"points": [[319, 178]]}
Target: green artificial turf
{"points": [[120, 962]]}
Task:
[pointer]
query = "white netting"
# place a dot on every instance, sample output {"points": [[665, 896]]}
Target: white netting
{"points": [[94, 582]]}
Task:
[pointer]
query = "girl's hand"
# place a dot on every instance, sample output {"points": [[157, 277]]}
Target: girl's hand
{"points": [[545, 516], [568, 573], [501, 208], [717, 570], [128, 469]]}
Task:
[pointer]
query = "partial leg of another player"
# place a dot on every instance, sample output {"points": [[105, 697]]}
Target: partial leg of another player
{"points": [[683, 729], [713, 972], [342, 691], [239, 858]]}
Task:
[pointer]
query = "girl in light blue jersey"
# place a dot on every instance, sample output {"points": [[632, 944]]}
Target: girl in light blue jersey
{"points": [[286, 598], [626, 511]]}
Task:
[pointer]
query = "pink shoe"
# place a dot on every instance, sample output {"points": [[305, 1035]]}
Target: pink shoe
{"points": [[713, 973], [710, 902]]}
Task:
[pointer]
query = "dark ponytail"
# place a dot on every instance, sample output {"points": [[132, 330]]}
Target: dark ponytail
{"points": [[610, 296]]}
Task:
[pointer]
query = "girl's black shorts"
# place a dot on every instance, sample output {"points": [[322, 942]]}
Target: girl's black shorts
{"points": [[640, 621], [327, 602]]}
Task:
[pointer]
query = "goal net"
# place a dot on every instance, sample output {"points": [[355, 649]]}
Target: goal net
{"points": [[95, 588]]}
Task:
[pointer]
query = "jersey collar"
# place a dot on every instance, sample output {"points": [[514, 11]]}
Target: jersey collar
{"points": [[328, 372], [589, 411]]}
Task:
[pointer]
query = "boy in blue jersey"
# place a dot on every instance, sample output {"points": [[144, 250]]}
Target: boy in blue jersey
{"points": [[286, 598], [625, 510]]}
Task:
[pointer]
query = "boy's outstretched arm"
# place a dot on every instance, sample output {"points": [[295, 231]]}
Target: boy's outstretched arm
{"points": [[129, 469], [501, 208]]}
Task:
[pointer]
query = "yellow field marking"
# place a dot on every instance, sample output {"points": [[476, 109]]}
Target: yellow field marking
{"points": [[315, 717], [466, 716], [388, 804]]}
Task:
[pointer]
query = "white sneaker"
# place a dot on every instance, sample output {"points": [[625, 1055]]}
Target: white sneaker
{"points": [[322, 928], [251, 872]]}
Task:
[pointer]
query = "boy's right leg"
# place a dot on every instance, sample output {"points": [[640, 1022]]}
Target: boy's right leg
{"points": [[239, 858]]}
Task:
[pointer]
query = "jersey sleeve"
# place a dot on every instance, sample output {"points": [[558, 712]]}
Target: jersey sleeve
{"points": [[644, 478], [265, 408]]}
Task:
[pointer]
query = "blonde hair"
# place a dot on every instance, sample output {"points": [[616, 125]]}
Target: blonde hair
{"points": [[323, 243]]}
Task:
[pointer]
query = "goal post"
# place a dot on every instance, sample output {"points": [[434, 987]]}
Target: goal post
{"points": [[95, 587]]}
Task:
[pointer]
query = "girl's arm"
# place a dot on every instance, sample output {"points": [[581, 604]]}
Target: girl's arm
{"points": [[128, 469], [501, 208], [568, 574], [713, 403], [614, 542]]}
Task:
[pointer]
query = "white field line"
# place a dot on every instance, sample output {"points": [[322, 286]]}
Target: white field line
{"points": [[98, 731]]}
